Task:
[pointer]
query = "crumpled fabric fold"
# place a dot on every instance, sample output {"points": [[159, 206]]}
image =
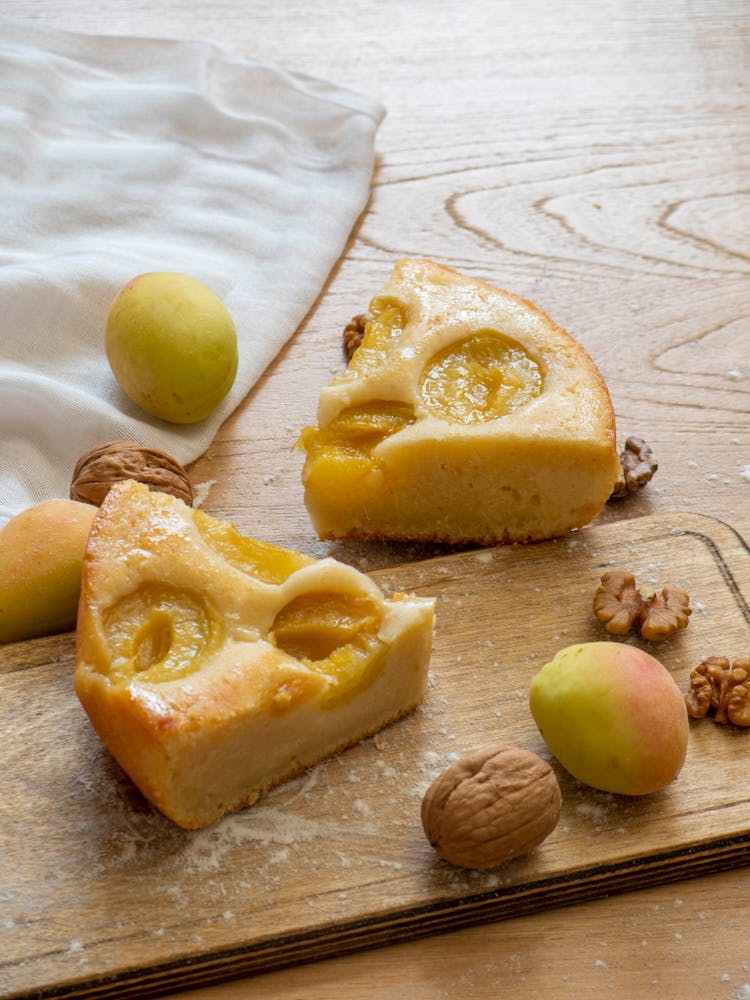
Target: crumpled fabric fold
{"points": [[120, 156]]}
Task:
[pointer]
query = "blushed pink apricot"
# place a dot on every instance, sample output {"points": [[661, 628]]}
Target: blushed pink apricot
{"points": [[613, 716]]}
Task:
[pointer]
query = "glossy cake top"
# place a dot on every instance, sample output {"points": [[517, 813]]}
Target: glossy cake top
{"points": [[172, 597]]}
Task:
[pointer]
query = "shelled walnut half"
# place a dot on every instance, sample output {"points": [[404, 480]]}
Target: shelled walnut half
{"points": [[637, 467], [100, 468], [622, 608], [354, 331], [720, 690]]}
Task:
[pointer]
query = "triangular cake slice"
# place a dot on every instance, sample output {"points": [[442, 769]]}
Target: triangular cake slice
{"points": [[466, 416], [214, 666]]}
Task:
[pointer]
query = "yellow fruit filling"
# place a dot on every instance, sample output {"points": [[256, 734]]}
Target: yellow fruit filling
{"points": [[479, 379], [386, 320], [335, 634], [159, 633], [261, 560], [340, 455]]}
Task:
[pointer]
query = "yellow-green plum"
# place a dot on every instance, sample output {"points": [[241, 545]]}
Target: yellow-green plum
{"points": [[41, 554], [172, 345], [613, 716]]}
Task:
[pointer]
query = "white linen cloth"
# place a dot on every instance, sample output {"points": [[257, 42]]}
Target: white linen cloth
{"points": [[125, 155]]}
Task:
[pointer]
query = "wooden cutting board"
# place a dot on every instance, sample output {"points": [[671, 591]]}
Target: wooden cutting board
{"points": [[100, 896]]}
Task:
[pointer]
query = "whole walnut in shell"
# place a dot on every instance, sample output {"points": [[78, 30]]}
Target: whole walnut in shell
{"points": [[100, 468], [492, 805]]}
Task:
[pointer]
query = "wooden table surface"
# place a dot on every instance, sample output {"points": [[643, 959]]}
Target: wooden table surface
{"points": [[594, 158]]}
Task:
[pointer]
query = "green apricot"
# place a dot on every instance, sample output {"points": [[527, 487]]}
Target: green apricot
{"points": [[172, 345]]}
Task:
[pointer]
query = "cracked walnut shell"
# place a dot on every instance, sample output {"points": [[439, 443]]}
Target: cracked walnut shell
{"points": [[622, 608], [491, 806], [100, 468], [721, 690]]}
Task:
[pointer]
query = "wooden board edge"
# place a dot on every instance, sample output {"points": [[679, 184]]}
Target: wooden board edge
{"points": [[410, 924]]}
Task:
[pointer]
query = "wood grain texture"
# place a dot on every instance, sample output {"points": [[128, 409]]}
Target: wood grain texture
{"points": [[594, 158], [336, 861]]}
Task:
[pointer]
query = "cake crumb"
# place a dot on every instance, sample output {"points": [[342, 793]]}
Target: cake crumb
{"points": [[485, 557], [201, 491]]}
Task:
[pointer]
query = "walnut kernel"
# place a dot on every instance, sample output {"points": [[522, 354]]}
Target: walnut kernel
{"points": [[493, 805], [622, 608], [721, 690], [354, 331], [637, 467], [665, 613], [617, 602], [100, 468]]}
